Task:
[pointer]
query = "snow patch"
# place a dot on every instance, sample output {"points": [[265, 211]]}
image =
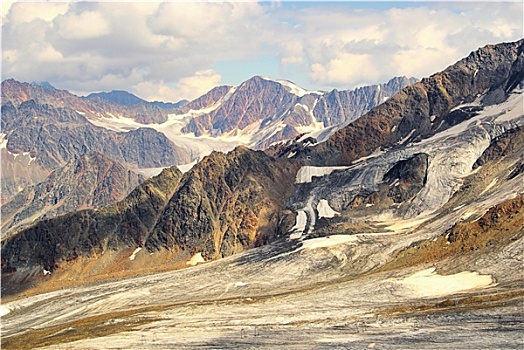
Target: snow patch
{"points": [[149, 172], [195, 259], [292, 88], [488, 187], [509, 110], [401, 226], [186, 167], [329, 241], [375, 154], [506, 111], [4, 310], [3, 141], [241, 284], [427, 283], [306, 108], [306, 173], [133, 256], [300, 225], [402, 141], [324, 210]]}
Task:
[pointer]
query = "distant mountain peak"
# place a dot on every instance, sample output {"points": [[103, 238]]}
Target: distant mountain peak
{"points": [[44, 84], [119, 97], [290, 86]]}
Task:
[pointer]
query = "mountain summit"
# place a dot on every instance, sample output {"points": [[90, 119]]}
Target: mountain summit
{"points": [[119, 97]]}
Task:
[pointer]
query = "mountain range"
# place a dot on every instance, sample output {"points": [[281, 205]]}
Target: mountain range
{"points": [[44, 128], [228, 203], [401, 227]]}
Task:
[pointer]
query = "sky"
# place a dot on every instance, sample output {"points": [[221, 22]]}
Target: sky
{"points": [[169, 51]]}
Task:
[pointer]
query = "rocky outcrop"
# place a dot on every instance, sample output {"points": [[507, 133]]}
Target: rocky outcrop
{"points": [[225, 204], [87, 181], [407, 178], [507, 143]]}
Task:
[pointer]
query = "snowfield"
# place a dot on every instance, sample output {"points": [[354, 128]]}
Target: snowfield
{"points": [[428, 283]]}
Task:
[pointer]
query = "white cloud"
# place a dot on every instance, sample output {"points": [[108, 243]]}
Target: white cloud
{"points": [[167, 51], [188, 88], [198, 84], [49, 54], [88, 24], [346, 67], [25, 12]]}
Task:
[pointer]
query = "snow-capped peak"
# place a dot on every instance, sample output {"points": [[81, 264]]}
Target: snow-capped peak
{"points": [[292, 87]]}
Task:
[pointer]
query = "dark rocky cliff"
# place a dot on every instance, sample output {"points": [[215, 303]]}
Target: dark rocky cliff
{"points": [[91, 232]]}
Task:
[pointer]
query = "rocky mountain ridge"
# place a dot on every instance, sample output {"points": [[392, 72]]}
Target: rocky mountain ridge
{"points": [[422, 109], [224, 205], [96, 105], [39, 138], [279, 110], [43, 127]]}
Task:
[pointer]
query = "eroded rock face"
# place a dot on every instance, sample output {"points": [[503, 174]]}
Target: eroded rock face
{"points": [[255, 99], [225, 204], [507, 143], [407, 178], [54, 135], [337, 107]]}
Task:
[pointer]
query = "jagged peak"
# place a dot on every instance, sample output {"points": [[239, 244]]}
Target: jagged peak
{"points": [[290, 86]]}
